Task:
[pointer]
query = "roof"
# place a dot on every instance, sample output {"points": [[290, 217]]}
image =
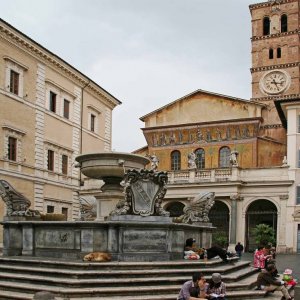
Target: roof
{"points": [[59, 58], [203, 92]]}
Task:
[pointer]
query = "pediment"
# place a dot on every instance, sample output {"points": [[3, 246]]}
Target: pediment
{"points": [[202, 106]]}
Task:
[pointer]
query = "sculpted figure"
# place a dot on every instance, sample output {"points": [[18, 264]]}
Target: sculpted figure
{"points": [[234, 158], [154, 161], [192, 160], [198, 208], [87, 208], [16, 203]]}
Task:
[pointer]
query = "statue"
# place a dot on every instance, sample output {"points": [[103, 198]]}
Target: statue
{"points": [[16, 203], [87, 208], [234, 158], [198, 208], [144, 191], [284, 162], [154, 161], [192, 160]]}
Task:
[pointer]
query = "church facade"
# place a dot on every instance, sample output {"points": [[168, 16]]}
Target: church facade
{"points": [[246, 151]]}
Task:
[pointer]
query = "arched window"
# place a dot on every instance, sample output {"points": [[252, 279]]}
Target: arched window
{"points": [[266, 26], [284, 23], [278, 52], [271, 53], [200, 161], [175, 160], [224, 157]]}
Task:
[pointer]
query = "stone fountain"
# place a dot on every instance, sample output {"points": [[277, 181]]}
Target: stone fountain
{"points": [[138, 229]]}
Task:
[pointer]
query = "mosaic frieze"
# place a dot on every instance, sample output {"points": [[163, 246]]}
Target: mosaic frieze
{"points": [[197, 135]]}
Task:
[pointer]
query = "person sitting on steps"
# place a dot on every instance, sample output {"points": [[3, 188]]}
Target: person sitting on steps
{"points": [[210, 252], [194, 289], [268, 283]]}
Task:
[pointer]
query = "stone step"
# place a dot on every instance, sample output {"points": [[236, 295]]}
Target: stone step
{"points": [[253, 295], [151, 292], [237, 296], [105, 280], [23, 277], [66, 273], [68, 264]]}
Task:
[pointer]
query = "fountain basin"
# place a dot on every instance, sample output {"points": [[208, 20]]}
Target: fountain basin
{"points": [[110, 164]]}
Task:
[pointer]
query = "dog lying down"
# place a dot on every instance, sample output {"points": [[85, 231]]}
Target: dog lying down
{"points": [[97, 256]]}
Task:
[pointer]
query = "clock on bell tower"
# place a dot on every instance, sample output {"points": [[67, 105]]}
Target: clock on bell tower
{"points": [[275, 58]]}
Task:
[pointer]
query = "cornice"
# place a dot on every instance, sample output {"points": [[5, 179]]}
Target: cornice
{"points": [[53, 61], [273, 67], [276, 97], [216, 123], [275, 35], [269, 3]]}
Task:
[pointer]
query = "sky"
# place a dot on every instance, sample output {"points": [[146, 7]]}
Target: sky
{"points": [[146, 53]]}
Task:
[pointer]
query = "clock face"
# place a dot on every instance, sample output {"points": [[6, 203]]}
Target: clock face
{"points": [[275, 82]]}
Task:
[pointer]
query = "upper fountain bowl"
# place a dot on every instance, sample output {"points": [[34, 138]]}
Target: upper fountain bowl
{"points": [[110, 164]]}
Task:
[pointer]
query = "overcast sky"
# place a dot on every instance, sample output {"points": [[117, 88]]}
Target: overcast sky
{"points": [[146, 53]]}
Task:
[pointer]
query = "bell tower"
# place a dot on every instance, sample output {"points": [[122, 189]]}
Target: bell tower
{"points": [[275, 59]]}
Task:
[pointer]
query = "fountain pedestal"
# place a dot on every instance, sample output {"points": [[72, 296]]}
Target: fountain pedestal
{"points": [[111, 168]]}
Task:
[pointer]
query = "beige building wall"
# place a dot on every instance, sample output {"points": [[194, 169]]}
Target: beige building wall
{"points": [[26, 118]]}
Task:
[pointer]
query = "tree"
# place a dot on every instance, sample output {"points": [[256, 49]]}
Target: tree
{"points": [[264, 234]]}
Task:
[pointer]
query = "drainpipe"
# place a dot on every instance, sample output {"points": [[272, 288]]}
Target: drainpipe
{"points": [[81, 128]]}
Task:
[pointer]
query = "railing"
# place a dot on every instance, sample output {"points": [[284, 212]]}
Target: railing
{"points": [[228, 174], [210, 175]]}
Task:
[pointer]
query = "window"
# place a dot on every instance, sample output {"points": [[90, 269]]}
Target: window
{"points": [[52, 102], [66, 109], [284, 23], [93, 119], [271, 54], [298, 123], [298, 195], [50, 209], [175, 160], [14, 82], [64, 211], [12, 148], [224, 157], [278, 52], [298, 158], [200, 158], [266, 26], [50, 164], [64, 164]]}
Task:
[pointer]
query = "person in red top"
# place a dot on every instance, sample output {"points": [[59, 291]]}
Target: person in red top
{"points": [[260, 258]]}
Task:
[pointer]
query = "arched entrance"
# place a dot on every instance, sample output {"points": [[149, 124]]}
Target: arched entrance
{"points": [[219, 217], [259, 212], [175, 209]]}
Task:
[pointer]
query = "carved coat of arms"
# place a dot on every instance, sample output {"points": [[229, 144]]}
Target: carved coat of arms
{"points": [[144, 191]]}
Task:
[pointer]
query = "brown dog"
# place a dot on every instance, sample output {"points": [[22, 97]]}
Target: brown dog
{"points": [[97, 256]]}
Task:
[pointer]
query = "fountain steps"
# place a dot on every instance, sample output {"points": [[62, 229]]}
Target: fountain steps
{"points": [[21, 277]]}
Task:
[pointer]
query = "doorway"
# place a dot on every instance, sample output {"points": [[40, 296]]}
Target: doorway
{"points": [[259, 212]]}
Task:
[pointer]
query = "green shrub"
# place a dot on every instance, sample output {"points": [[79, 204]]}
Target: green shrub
{"points": [[220, 239], [264, 234]]}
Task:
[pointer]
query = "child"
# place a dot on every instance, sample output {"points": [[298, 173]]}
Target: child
{"points": [[288, 278]]}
